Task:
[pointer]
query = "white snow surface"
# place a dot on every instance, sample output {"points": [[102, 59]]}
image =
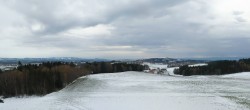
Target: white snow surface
{"points": [[171, 70], [156, 65], [242, 75], [141, 91], [199, 64]]}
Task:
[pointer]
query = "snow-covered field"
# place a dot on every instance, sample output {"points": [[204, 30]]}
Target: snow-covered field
{"points": [[199, 64], [7, 67], [156, 65], [142, 91], [243, 75]]}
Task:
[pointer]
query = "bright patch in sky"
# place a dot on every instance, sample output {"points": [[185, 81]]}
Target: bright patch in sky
{"points": [[90, 32], [233, 9]]}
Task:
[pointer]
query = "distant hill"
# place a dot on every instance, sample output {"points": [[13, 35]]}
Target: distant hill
{"points": [[170, 60], [159, 60], [52, 59], [216, 58]]}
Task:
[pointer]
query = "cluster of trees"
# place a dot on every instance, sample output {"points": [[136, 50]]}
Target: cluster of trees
{"points": [[107, 67], [216, 68], [38, 79], [52, 76]]}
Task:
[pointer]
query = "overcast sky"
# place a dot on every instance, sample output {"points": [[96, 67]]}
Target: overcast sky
{"points": [[124, 28]]}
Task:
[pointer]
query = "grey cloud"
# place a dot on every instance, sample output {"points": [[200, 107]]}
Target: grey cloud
{"points": [[174, 28], [240, 19], [236, 13], [58, 15]]}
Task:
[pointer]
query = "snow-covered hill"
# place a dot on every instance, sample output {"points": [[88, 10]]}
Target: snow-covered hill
{"points": [[142, 91]]}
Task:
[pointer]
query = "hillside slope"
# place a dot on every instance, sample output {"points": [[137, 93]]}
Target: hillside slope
{"points": [[142, 91]]}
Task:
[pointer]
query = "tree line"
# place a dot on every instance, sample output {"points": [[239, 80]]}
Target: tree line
{"points": [[33, 79], [216, 68]]}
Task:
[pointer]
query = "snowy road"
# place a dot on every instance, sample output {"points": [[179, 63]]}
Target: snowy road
{"points": [[142, 91]]}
